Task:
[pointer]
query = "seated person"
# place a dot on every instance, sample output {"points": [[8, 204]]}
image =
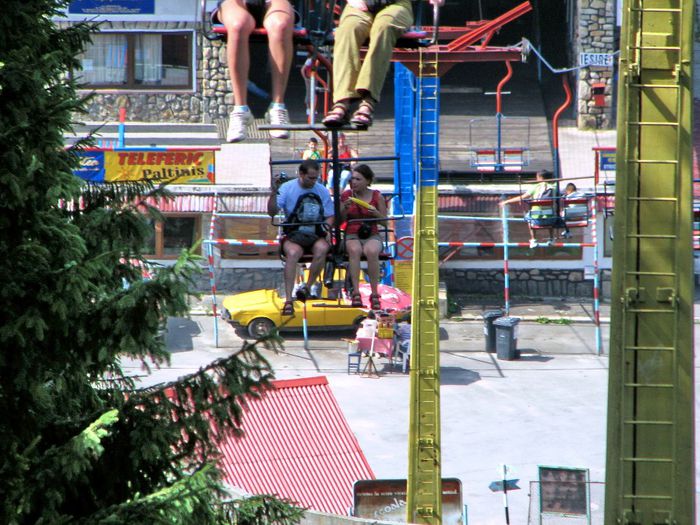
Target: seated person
{"points": [[311, 151], [345, 151], [403, 333], [575, 210], [539, 215], [362, 238], [240, 18], [383, 22], [303, 200]]}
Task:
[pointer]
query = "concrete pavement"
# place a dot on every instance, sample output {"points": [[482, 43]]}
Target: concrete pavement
{"points": [[547, 408]]}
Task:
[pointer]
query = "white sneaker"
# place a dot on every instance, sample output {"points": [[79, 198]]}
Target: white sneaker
{"points": [[315, 291], [238, 123], [533, 243], [278, 116]]}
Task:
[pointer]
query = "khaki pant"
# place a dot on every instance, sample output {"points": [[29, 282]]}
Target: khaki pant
{"points": [[351, 74]]}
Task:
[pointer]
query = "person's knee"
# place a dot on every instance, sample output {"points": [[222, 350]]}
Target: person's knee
{"points": [[279, 25], [354, 252], [352, 26], [239, 24], [321, 248], [293, 252], [372, 251], [389, 25]]}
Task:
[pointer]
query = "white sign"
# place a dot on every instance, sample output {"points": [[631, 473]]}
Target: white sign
{"points": [[596, 59]]}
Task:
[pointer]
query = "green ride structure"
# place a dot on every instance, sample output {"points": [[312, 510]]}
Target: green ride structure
{"points": [[650, 471]]}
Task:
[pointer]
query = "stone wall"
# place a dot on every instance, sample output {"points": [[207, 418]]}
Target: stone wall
{"points": [[597, 33], [208, 101], [532, 283], [234, 280]]}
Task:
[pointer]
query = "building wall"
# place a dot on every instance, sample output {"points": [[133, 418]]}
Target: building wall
{"points": [[597, 33], [532, 283], [594, 31], [206, 102]]}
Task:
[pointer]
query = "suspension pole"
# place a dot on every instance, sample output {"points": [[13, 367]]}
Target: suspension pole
{"points": [[212, 274], [596, 277], [506, 272]]}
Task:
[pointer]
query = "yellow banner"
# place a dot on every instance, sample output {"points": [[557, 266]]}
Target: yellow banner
{"points": [[403, 275], [176, 167]]}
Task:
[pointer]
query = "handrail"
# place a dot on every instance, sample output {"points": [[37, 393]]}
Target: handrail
{"points": [[209, 33]]}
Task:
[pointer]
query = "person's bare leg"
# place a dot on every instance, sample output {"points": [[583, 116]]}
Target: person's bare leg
{"points": [[239, 25], [293, 253], [372, 249], [533, 236], [354, 249], [279, 23], [319, 252]]}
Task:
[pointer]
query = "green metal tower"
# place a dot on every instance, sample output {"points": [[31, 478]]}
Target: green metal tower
{"points": [[650, 473]]}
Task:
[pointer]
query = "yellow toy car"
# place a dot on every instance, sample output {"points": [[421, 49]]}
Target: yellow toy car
{"points": [[260, 311]]}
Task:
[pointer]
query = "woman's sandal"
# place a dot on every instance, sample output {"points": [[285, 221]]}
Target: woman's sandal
{"points": [[357, 300], [337, 116], [288, 308], [374, 302], [363, 117]]}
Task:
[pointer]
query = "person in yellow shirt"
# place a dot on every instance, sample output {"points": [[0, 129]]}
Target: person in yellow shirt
{"points": [[540, 215], [311, 152]]}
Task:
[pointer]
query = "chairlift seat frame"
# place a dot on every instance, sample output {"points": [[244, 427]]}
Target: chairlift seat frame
{"points": [[513, 159], [558, 220]]}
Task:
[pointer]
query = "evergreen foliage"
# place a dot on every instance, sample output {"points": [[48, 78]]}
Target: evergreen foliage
{"points": [[79, 444]]}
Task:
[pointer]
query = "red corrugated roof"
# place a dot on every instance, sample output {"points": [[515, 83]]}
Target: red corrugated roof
{"points": [[297, 445], [190, 203]]}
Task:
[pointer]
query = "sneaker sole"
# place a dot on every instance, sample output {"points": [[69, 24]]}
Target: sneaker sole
{"points": [[279, 134], [242, 138]]}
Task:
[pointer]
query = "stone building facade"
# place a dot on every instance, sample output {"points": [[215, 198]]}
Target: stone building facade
{"points": [[209, 99], [596, 32]]}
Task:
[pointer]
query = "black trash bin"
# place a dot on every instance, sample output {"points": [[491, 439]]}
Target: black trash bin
{"points": [[489, 331], [507, 338]]}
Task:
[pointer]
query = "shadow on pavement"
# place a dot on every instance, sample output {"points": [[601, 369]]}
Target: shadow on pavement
{"points": [[179, 334], [455, 375]]}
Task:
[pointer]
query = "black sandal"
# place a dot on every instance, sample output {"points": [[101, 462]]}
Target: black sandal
{"points": [[288, 308], [337, 116], [364, 116], [374, 302], [357, 300]]}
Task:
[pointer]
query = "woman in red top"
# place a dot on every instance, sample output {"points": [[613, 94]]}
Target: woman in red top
{"points": [[362, 238]]}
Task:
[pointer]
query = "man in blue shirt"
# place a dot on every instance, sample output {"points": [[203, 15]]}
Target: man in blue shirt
{"points": [[303, 200]]}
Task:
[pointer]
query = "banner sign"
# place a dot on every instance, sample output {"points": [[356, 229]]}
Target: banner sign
{"points": [[385, 500], [596, 59], [92, 166], [564, 490], [173, 167], [607, 161], [112, 7]]}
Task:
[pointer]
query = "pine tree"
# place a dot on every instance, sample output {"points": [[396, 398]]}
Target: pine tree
{"points": [[78, 443]]}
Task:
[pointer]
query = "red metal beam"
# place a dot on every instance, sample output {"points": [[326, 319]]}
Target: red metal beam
{"points": [[471, 54], [491, 26], [447, 59]]}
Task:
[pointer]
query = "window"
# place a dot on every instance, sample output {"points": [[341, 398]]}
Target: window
{"points": [[172, 235], [138, 61]]}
